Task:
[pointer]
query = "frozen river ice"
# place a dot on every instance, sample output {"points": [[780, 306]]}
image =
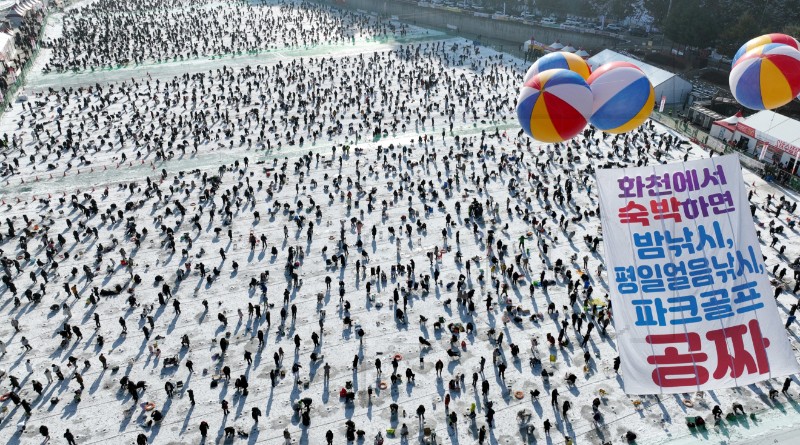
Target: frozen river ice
{"points": [[106, 414]]}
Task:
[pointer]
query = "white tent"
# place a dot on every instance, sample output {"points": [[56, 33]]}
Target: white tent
{"points": [[7, 49], [582, 53], [533, 44], [568, 49], [666, 84], [733, 119], [556, 46], [724, 129], [27, 5], [776, 131]]}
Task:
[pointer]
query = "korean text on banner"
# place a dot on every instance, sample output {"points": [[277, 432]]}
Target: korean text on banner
{"points": [[693, 307]]}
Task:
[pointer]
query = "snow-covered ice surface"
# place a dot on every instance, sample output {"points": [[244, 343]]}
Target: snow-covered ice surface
{"points": [[109, 33], [108, 415]]}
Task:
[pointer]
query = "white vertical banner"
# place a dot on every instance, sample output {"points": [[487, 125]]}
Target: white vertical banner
{"points": [[796, 161], [663, 103], [692, 306], [764, 147]]}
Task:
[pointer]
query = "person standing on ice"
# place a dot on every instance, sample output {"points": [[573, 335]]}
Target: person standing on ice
{"points": [[70, 437], [225, 410], [326, 372]]}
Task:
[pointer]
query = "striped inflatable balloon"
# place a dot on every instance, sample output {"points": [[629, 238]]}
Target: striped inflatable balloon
{"points": [[554, 105], [763, 50], [766, 77], [765, 40], [559, 60], [623, 97]]}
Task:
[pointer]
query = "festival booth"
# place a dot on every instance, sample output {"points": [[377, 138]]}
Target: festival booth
{"points": [[7, 49], [724, 129], [533, 45], [582, 53], [20, 10], [703, 117], [555, 46], [769, 136]]}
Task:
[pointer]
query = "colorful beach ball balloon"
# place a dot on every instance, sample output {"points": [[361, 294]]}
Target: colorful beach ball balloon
{"points": [[765, 40], [766, 77], [559, 60], [554, 105], [623, 97]]}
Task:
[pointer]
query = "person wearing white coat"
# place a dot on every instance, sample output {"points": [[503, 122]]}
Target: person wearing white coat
{"points": [[28, 366]]}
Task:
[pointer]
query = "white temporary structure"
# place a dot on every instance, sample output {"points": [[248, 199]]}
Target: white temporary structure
{"points": [[533, 44], [771, 136], [724, 129], [7, 49]]}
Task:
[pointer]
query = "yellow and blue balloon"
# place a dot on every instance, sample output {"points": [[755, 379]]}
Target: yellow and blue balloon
{"points": [[559, 60], [766, 76], [554, 105], [623, 97], [765, 40]]}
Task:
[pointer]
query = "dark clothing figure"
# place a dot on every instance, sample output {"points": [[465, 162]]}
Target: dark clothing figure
{"points": [[70, 438]]}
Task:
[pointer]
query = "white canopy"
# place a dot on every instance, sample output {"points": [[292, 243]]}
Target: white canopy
{"points": [[532, 42], [6, 46], [733, 120]]}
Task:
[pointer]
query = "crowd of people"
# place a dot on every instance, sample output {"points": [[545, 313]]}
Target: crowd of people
{"points": [[385, 255], [293, 105], [109, 33], [26, 41]]}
